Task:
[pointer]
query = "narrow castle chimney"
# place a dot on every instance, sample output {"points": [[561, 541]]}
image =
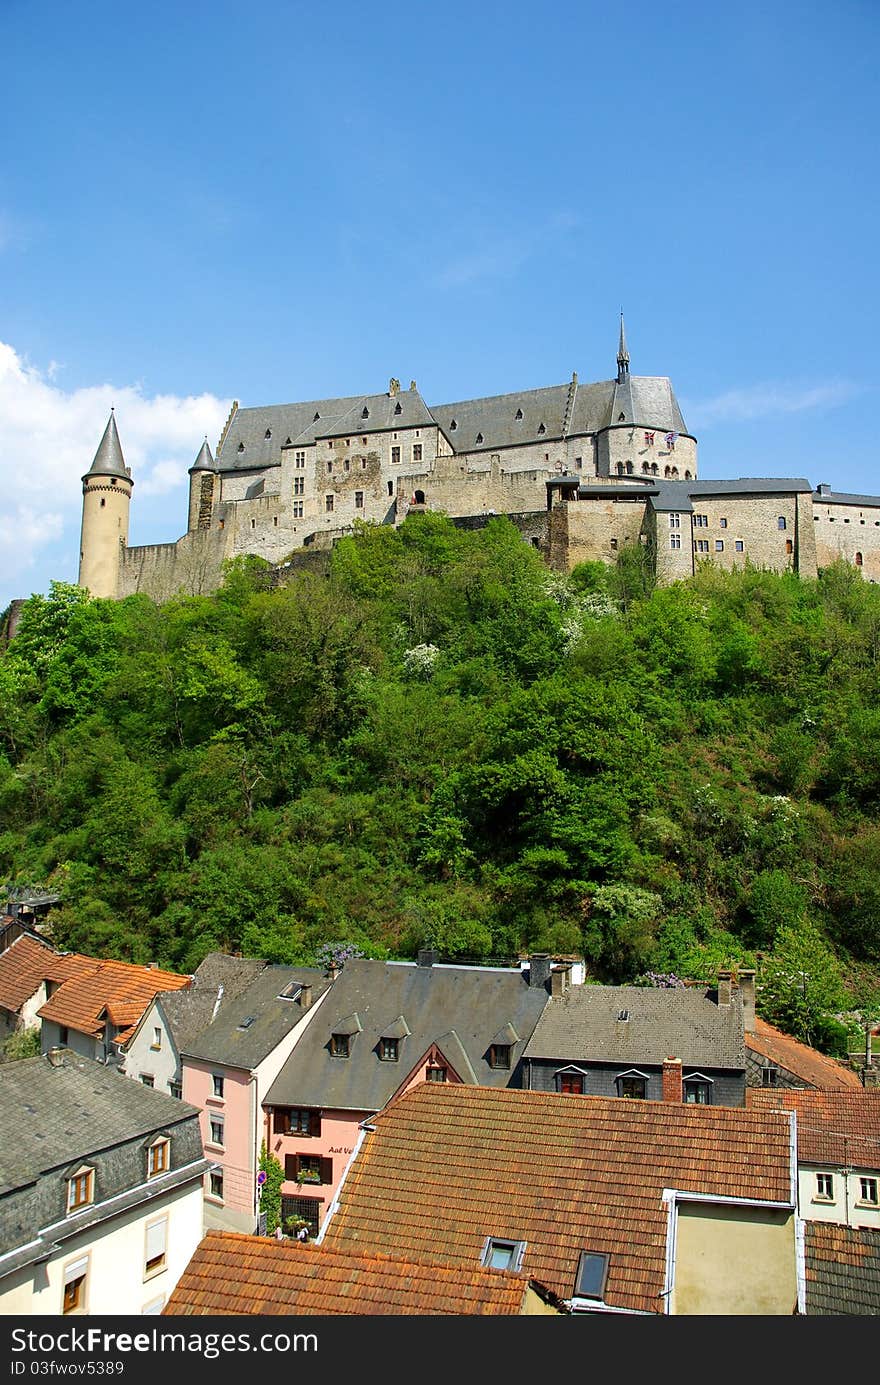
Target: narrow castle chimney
{"points": [[559, 978], [673, 1087], [747, 991], [539, 969], [724, 982]]}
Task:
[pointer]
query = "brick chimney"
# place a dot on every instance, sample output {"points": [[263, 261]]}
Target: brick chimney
{"points": [[747, 991], [673, 1087], [539, 969], [725, 979], [559, 979]]}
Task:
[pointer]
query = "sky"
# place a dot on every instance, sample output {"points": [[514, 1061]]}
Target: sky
{"points": [[203, 201]]}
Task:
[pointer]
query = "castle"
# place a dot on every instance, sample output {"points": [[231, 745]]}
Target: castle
{"points": [[582, 470]]}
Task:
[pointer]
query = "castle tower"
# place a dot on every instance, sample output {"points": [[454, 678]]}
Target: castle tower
{"points": [[107, 487], [202, 490]]}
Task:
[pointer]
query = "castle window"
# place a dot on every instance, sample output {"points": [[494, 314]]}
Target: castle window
{"points": [[363, 463], [113, 480], [614, 543], [299, 460], [619, 468], [329, 466], [363, 442], [348, 442], [675, 521], [687, 476], [390, 487], [701, 521], [103, 502], [655, 471], [739, 546], [299, 485], [419, 498], [789, 546], [395, 454], [675, 473], [578, 463], [701, 545], [675, 540], [645, 467], [297, 509], [719, 545], [417, 451], [858, 560], [275, 521], [722, 524], [328, 504], [666, 471], [253, 524], [358, 500], [346, 465], [780, 523]]}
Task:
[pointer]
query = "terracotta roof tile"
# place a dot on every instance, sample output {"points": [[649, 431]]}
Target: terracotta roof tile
{"points": [[833, 1127], [27, 963], [816, 1069], [238, 1274], [121, 989], [448, 1166]]}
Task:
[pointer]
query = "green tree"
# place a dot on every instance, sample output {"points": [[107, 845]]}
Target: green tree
{"points": [[270, 1193], [800, 984]]}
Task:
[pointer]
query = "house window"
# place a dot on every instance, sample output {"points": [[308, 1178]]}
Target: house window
{"points": [[157, 1039], [571, 1083], [675, 540], [299, 460], [633, 1084], [217, 1130], [417, 451], [435, 1074], [503, 1255], [296, 1120], [158, 1158], [824, 1187], [675, 521], [358, 500], [698, 1091], [176, 1089], [701, 545], [217, 1081], [592, 1271], [388, 1050], [328, 504], [215, 1184], [739, 545], [80, 1189], [299, 485], [75, 1282], [340, 1045], [780, 523], [499, 1055], [63, 1035], [769, 1076], [156, 1246], [395, 454], [297, 509], [148, 1079], [868, 1191]]}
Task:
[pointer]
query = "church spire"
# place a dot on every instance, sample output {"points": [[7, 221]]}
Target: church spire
{"points": [[622, 354]]}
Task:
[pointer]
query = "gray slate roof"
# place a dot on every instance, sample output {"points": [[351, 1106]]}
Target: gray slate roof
{"points": [[204, 461], [109, 460], [830, 497], [663, 495], [459, 1008], [224, 1041], [582, 1025], [645, 401], [52, 1116], [217, 978]]}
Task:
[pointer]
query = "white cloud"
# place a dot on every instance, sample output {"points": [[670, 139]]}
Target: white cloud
{"points": [[762, 401], [49, 436]]}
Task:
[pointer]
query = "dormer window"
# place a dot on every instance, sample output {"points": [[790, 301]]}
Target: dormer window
{"points": [[389, 1050], [241, 447], [397, 408], [621, 418], [503, 1255], [435, 1073], [267, 434], [632, 1084], [698, 1089], [289, 442], [340, 1045], [592, 1272], [541, 428], [80, 1189], [365, 413], [499, 1055], [479, 437], [315, 419], [453, 425], [519, 414], [158, 1158]]}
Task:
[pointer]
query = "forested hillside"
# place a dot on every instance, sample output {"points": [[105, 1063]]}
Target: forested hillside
{"points": [[440, 742]]}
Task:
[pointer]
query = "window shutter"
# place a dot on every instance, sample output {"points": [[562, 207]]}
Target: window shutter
{"points": [[291, 1167], [326, 1170], [156, 1238], [314, 1122], [76, 1270]]}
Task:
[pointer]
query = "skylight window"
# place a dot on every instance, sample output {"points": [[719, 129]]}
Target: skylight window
{"points": [[291, 991], [503, 1255], [592, 1273], [246, 1022]]}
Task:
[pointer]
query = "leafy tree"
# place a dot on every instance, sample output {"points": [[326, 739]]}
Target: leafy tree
{"points": [[270, 1193], [800, 984]]}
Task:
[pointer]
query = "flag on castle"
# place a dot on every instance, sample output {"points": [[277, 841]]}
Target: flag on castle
{"points": [[649, 439], [670, 441]]}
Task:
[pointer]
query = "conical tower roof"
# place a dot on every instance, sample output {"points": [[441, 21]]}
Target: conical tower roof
{"points": [[109, 460], [204, 461]]}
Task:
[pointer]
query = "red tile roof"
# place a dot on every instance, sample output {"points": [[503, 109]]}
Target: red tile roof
{"points": [[26, 964], [121, 989], [835, 1127], [236, 1274], [449, 1165], [816, 1069]]}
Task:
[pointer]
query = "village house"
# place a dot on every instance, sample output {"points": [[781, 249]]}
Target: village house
{"points": [[775, 1059], [100, 1189], [31, 970], [96, 1009]]}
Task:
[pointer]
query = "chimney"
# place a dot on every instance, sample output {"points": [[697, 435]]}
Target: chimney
{"points": [[56, 1057], [333, 969], [152, 966], [539, 969], [428, 956], [724, 981], [559, 978], [305, 997], [747, 991], [673, 1088]]}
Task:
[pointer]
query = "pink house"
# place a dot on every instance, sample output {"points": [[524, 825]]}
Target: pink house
{"points": [[227, 1071], [386, 1027]]}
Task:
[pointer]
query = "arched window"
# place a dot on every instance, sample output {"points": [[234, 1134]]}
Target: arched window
{"points": [[858, 560], [629, 468], [419, 498], [666, 471], [780, 523], [620, 468], [675, 473], [655, 470], [687, 476]]}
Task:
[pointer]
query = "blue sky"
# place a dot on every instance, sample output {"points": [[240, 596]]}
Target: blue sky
{"points": [[206, 201]]}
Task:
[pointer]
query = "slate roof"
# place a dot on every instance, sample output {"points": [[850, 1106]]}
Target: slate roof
{"points": [[216, 981], [27, 963], [663, 1023], [446, 1166], [237, 1274], [122, 990], [63, 1114], [204, 461], [842, 1269], [645, 401], [829, 497], [460, 1008], [281, 421], [225, 1041], [109, 460], [813, 1068], [833, 1127]]}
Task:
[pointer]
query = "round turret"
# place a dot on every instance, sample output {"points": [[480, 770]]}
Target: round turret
{"points": [[107, 487]]}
